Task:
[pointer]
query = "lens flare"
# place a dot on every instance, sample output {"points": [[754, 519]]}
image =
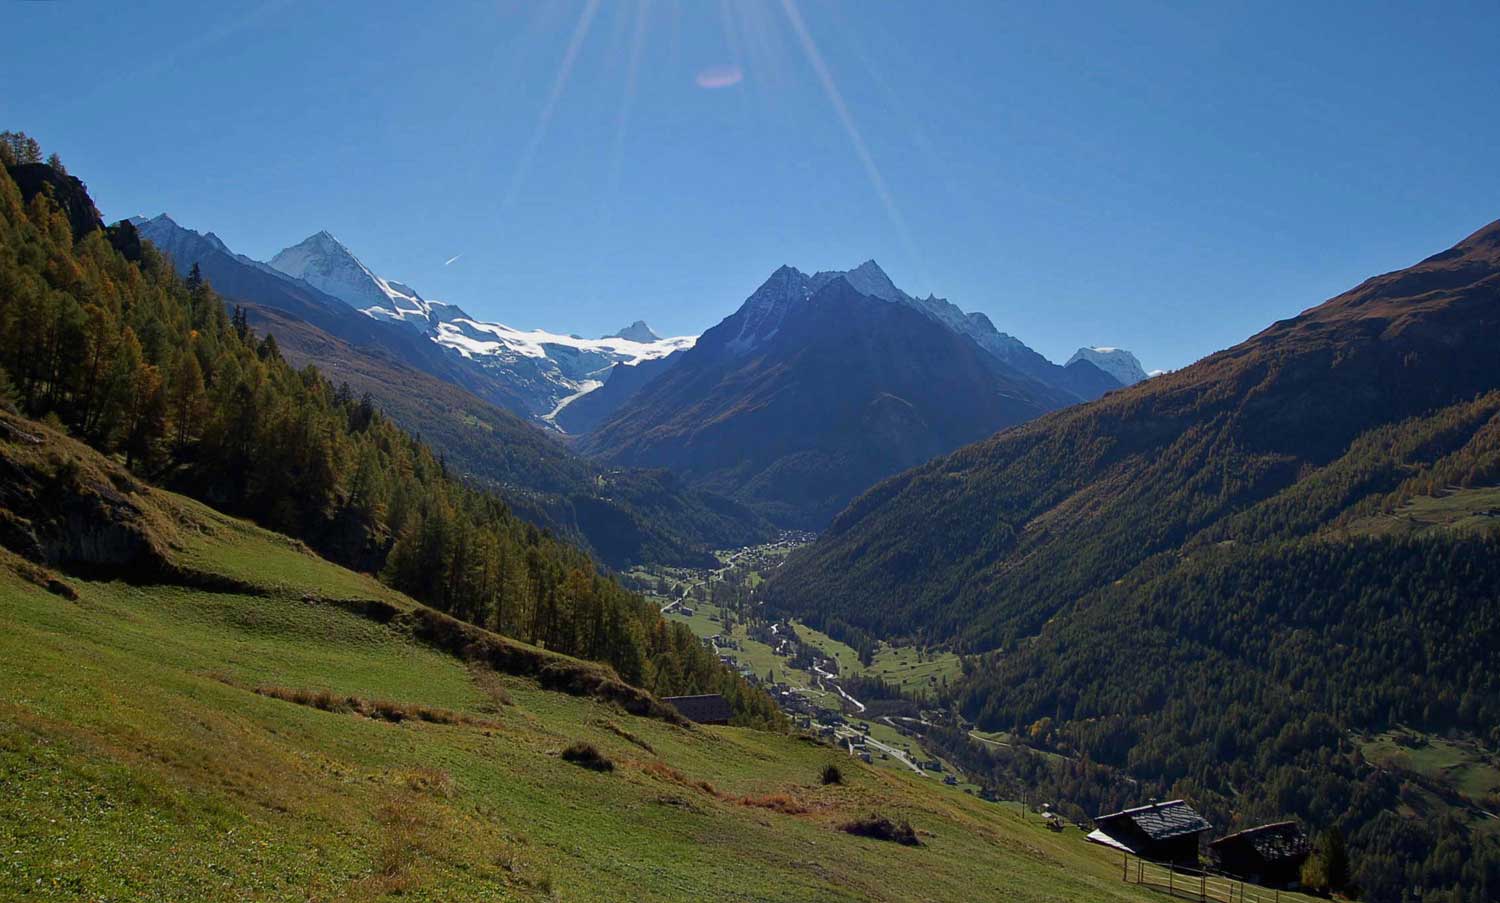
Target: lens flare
{"points": [[715, 77]]}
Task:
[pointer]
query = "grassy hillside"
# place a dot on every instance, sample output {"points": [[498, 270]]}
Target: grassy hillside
{"points": [[152, 748]]}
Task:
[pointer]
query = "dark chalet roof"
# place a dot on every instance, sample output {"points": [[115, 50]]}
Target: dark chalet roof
{"points": [[1274, 842], [1160, 821], [708, 709]]}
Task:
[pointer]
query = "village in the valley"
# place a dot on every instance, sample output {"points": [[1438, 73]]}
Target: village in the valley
{"points": [[819, 682]]}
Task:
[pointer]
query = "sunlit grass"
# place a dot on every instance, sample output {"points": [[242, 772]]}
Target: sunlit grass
{"points": [[141, 763]]}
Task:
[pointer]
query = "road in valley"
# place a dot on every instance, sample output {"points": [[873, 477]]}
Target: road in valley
{"points": [[898, 754]]}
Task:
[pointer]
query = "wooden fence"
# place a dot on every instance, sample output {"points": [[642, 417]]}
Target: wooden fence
{"points": [[1197, 884]]}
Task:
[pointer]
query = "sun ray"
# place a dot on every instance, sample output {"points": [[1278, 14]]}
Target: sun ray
{"points": [[732, 39], [559, 83], [627, 102], [841, 109], [910, 125]]}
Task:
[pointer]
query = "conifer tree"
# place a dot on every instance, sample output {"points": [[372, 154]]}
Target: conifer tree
{"points": [[189, 400]]}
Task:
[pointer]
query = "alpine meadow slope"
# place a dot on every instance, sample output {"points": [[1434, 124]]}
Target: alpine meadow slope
{"points": [[1215, 582], [209, 711]]}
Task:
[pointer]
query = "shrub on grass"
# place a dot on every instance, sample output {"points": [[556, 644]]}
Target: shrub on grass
{"points": [[383, 709], [831, 774], [325, 700], [879, 827], [587, 756], [489, 681], [391, 711], [668, 773], [776, 802], [623, 734]]}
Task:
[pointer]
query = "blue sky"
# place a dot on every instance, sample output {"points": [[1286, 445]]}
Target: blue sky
{"points": [[1169, 178]]}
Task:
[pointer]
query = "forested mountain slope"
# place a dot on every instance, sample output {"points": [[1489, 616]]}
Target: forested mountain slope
{"points": [[138, 363], [622, 516], [1218, 581], [1017, 526]]}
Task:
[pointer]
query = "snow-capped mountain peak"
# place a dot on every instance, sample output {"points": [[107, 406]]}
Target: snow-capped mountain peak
{"points": [[1117, 362], [636, 332], [868, 279], [552, 366], [759, 320], [324, 262]]}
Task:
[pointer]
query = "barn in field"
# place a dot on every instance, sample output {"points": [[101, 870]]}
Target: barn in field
{"points": [[1270, 854], [707, 709], [1162, 832]]}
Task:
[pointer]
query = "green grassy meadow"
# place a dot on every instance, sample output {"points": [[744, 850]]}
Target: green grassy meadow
{"points": [[1458, 509], [138, 763], [1460, 765], [913, 669]]}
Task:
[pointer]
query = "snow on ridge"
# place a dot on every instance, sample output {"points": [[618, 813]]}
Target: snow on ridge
{"points": [[584, 388], [1117, 362], [328, 264], [480, 337]]}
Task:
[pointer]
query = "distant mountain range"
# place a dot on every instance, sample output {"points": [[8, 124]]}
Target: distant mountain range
{"points": [[534, 373], [539, 374], [815, 388], [466, 411], [820, 385], [548, 370]]}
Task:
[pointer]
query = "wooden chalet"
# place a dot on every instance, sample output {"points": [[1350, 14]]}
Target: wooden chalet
{"points": [[1162, 832], [1270, 854], [707, 709]]}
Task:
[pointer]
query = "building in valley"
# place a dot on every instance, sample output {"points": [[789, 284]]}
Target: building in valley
{"points": [[710, 708], [1269, 854], [1163, 832]]}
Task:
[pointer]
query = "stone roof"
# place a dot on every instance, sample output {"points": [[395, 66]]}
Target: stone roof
{"points": [[1273, 842], [1160, 821], [708, 709]]}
